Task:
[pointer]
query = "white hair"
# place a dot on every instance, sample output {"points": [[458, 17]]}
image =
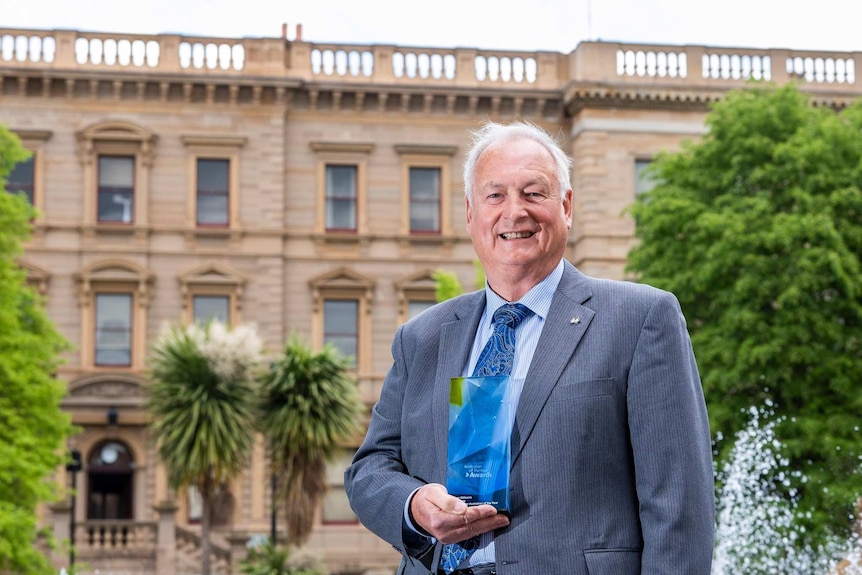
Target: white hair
{"points": [[492, 133]]}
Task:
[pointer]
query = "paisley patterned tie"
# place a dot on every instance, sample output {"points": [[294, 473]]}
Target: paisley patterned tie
{"points": [[496, 359]]}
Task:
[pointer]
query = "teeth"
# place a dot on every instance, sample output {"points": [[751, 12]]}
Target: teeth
{"points": [[516, 235]]}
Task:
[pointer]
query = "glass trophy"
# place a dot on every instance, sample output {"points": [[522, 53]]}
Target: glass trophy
{"points": [[480, 426]]}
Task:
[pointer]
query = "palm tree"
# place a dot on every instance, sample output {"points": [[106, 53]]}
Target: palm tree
{"points": [[309, 406], [201, 403]]}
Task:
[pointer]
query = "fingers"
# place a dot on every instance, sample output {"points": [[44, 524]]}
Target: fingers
{"points": [[448, 518]]}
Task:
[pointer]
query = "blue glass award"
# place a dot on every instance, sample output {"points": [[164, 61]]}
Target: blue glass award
{"points": [[480, 425]]}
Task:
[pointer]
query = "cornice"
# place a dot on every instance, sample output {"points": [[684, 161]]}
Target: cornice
{"points": [[663, 97]]}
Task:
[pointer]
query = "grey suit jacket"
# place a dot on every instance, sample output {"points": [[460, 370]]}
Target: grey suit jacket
{"points": [[611, 455]]}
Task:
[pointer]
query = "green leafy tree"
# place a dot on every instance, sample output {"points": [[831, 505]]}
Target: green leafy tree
{"points": [[757, 228], [33, 429], [447, 285], [309, 406], [201, 402]]}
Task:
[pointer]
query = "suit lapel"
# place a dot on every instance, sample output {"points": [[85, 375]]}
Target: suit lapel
{"points": [[567, 322], [456, 340]]}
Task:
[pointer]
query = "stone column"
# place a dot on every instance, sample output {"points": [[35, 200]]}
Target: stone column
{"points": [[166, 539]]}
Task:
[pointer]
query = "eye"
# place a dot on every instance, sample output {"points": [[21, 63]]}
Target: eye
{"points": [[494, 198], [535, 196]]}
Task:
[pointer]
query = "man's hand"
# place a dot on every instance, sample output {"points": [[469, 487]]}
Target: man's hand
{"points": [[448, 518]]}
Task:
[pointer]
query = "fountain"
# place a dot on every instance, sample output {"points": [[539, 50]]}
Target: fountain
{"points": [[755, 531]]}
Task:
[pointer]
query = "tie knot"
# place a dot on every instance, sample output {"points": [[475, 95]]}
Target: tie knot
{"points": [[511, 314]]}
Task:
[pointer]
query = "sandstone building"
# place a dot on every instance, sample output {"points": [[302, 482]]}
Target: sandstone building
{"points": [[303, 187]]}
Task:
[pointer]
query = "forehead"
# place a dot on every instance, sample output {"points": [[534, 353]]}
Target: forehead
{"points": [[519, 158]]}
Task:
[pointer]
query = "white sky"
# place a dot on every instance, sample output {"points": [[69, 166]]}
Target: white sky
{"points": [[556, 25]]}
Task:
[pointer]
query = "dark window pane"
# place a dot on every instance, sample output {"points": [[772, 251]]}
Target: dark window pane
{"points": [[211, 307], [113, 329], [340, 197], [212, 192], [21, 179], [340, 326], [425, 199], [116, 188]]}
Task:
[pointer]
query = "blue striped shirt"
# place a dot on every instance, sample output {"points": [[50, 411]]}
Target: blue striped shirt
{"points": [[538, 299]]}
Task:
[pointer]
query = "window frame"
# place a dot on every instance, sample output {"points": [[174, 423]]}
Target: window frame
{"points": [[436, 202], [420, 286], [330, 199], [116, 139], [354, 357], [341, 154], [99, 191], [114, 276], [212, 279], [426, 156], [131, 327], [35, 142], [345, 284], [213, 147]]}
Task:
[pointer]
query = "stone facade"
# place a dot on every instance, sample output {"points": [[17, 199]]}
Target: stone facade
{"points": [[277, 114]]}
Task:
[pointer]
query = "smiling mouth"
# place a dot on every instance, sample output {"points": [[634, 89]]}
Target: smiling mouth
{"points": [[516, 235]]}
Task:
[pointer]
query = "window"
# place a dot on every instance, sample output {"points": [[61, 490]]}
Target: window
{"points": [[114, 296], [214, 185], [427, 191], [341, 189], [213, 192], [340, 327], [643, 181], [336, 507], [211, 291], [21, 179], [424, 200], [341, 197], [341, 308], [211, 307], [116, 157], [28, 177], [416, 293], [116, 189], [113, 329]]}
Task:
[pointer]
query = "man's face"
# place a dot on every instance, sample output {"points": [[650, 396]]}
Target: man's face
{"points": [[517, 219]]}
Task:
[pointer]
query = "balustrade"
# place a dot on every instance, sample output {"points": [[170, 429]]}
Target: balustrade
{"points": [[282, 59]]}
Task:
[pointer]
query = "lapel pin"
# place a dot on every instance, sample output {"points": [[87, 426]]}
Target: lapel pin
{"points": [[576, 319]]}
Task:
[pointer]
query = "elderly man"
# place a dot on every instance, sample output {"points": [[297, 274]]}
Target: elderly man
{"points": [[611, 469]]}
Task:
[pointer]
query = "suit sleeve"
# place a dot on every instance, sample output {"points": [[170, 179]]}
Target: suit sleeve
{"points": [[377, 482], [671, 446]]}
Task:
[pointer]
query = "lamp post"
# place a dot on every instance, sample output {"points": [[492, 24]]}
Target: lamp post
{"points": [[272, 527], [73, 467]]}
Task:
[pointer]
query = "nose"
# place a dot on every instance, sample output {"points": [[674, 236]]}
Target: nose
{"points": [[515, 208]]}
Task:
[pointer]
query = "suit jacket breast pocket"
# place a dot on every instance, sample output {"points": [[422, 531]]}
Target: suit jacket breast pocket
{"points": [[613, 561], [584, 390]]}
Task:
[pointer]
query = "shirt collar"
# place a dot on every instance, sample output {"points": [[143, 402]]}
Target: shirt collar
{"points": [[538, 299]]}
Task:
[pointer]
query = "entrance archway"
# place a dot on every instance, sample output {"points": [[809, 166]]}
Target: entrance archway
{"points": [[110, 489]]}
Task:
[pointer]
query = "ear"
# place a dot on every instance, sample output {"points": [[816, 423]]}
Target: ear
{"points": [[468, 210], [567, 207]]}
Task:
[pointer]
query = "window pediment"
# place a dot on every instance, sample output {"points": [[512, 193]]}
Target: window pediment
{"points": [[114, 271], [36, 276], [211, 273], [342, 278]]}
